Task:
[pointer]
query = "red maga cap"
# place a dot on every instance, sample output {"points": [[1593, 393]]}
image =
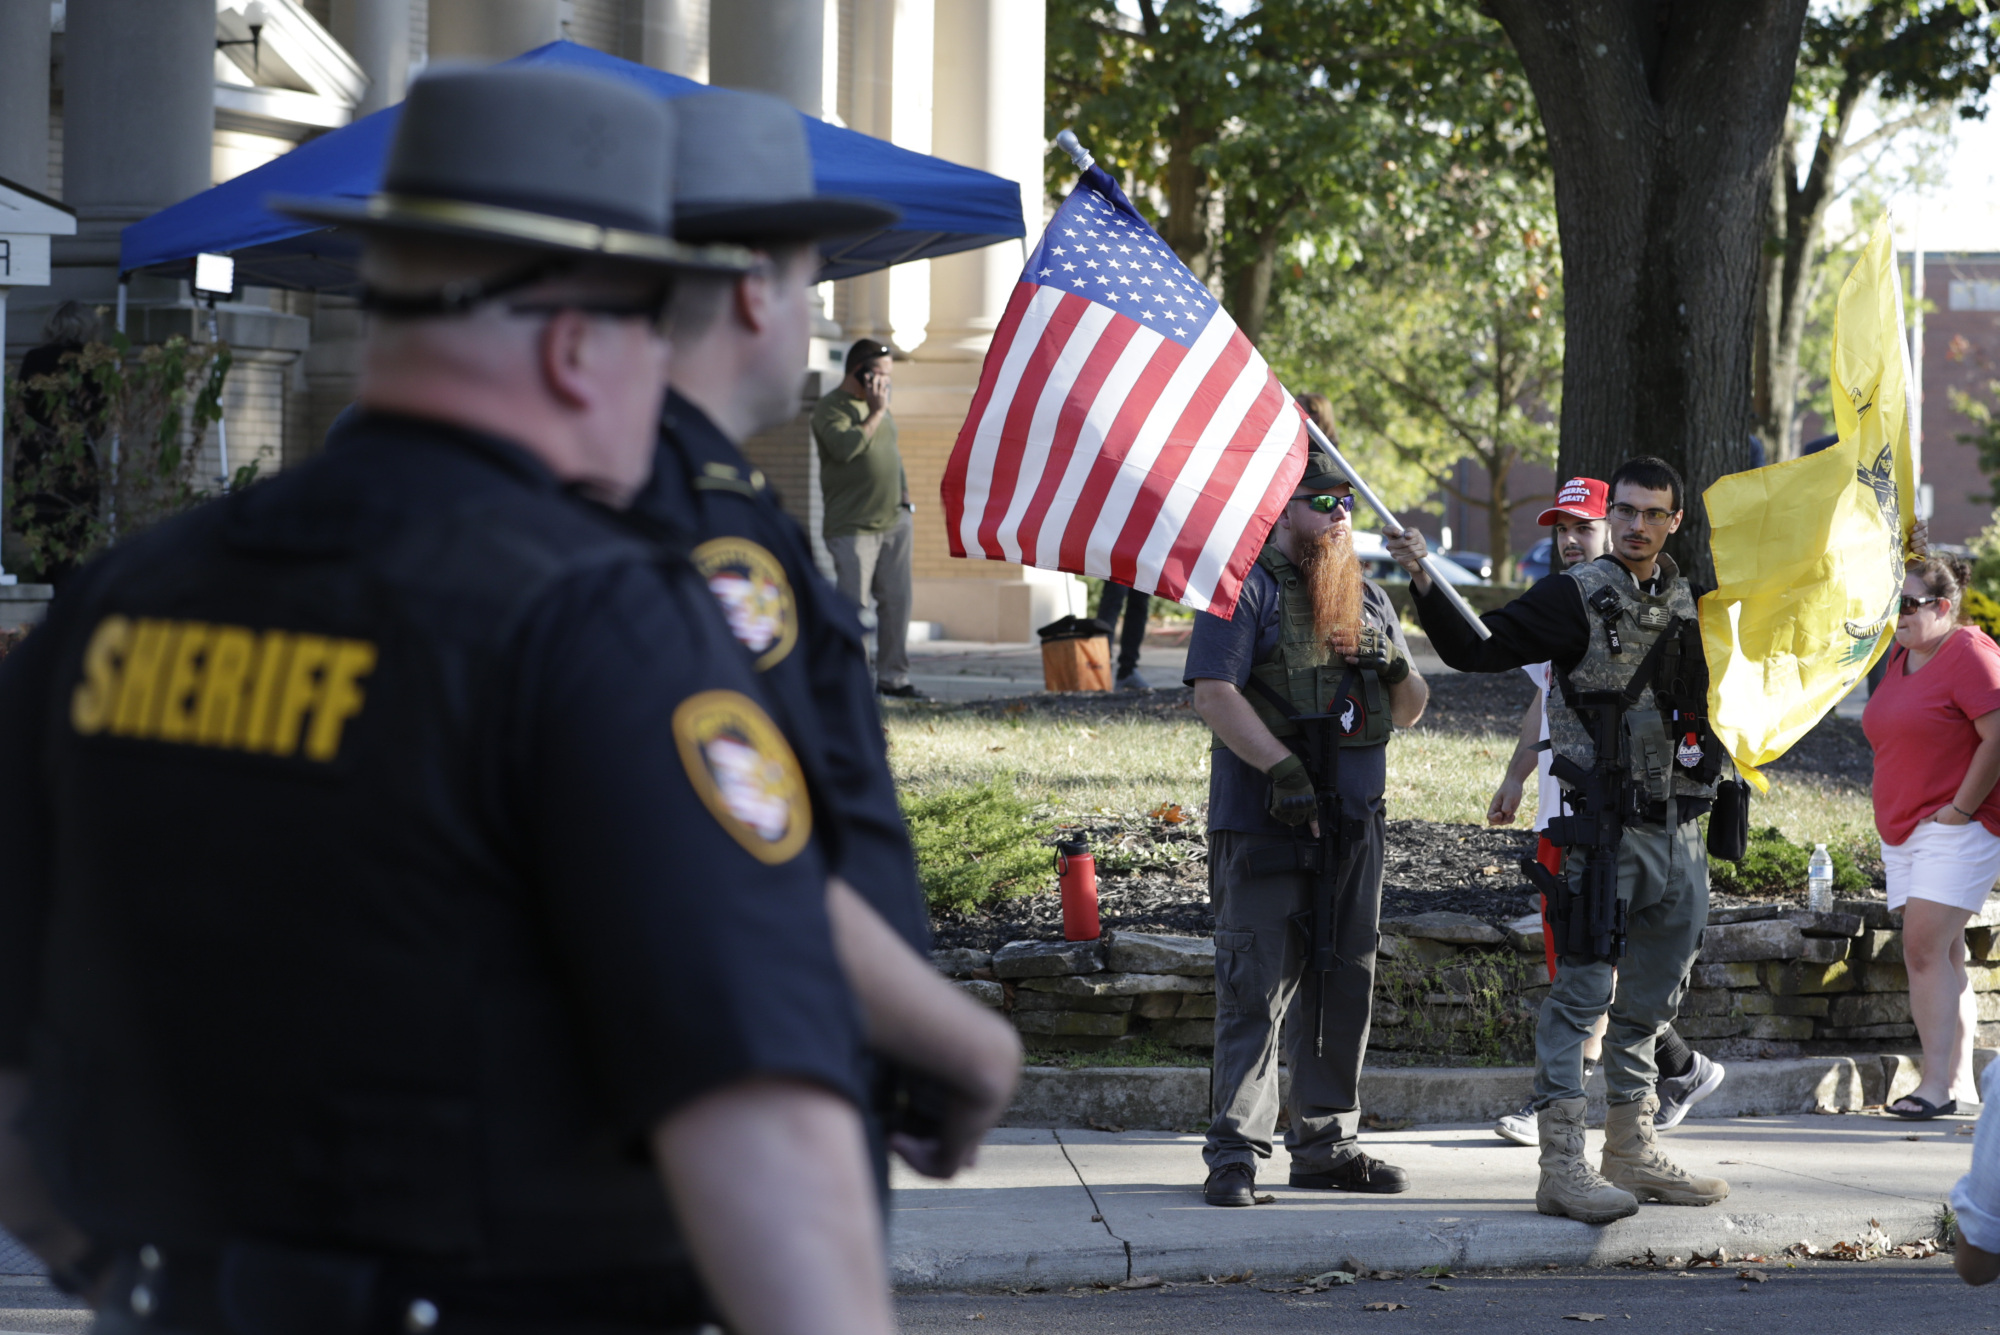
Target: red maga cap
{"points": [[1581, 498]]}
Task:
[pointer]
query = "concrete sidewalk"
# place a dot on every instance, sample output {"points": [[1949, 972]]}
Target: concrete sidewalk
{"points": [[1063, 1207]]}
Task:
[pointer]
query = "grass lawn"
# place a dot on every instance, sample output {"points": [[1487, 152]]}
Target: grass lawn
{"points": [[1071, 767]]}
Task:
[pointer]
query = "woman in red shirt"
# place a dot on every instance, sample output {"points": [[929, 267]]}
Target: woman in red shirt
{"points": [[1934, 724]]}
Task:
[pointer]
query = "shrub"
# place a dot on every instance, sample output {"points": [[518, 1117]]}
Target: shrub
{"points": [[1982, 612], [1774, 866], [978, 844]]}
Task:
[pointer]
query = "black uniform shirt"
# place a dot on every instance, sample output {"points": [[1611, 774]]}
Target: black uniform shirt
{"points": [[391, 845], [807, 639]]}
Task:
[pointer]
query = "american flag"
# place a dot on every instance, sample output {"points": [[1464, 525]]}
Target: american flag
{"points": [[1123, 427]]}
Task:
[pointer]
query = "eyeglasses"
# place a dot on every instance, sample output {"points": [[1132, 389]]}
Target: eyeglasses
{"points": [[1325, 503], [1908, 604], [1655, 516]]}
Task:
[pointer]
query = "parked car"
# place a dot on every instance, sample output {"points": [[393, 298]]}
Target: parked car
{"points": [[1538, 560], [1479, 563], [1378, 565]]}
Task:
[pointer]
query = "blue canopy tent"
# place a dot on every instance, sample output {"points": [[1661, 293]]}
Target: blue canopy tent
{"points": [[946, 208]]}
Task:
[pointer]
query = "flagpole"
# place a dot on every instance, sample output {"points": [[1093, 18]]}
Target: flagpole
{"points": [[1431, 561]]}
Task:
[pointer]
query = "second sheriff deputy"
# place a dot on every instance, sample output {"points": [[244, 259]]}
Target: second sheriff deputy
{"points": [[1275, 658]]}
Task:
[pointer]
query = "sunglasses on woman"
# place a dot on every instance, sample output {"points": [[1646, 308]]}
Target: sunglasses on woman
{"points": [[1326, 504], [1908, 604]]}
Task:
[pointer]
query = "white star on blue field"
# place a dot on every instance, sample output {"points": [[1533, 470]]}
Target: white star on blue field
{"points": [[1094, 249]]}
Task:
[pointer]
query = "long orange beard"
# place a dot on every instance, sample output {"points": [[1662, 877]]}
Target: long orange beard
{"points": [[1332, 573]]}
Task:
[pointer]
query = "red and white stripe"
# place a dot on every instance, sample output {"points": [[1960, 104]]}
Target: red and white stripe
{"points": [[1099, 447]]}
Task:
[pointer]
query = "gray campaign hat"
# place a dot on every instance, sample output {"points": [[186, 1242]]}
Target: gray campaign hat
{"points": [[743, 171], [552, 160]]}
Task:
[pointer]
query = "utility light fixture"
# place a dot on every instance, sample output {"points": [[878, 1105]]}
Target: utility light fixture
{"points": [[255, 15], [214, 276]]}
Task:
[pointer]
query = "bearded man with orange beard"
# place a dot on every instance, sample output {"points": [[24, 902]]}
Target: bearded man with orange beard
{"points": [[1309, 636]]}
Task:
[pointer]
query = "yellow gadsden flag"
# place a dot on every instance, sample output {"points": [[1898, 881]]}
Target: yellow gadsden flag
{"points": [[1809, 553]]}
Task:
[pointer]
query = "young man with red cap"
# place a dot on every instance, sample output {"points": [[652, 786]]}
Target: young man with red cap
{"points": [[1686, 1077]]}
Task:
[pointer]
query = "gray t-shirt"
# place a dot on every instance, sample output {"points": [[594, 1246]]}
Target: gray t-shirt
{"points": [[1220, 650]]}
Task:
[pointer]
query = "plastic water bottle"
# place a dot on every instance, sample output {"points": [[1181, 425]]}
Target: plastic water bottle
{"points": [[1819, 880]]}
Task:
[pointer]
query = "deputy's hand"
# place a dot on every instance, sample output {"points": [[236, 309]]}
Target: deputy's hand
{"points": [[1380, 654], [1949, 814], [1505, 804], [1292, 799]]}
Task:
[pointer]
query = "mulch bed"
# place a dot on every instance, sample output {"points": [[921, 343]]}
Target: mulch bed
{"points": [[1428, 865]]}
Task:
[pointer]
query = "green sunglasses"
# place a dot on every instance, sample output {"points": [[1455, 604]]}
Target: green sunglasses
{"points": [[1326, 503]]}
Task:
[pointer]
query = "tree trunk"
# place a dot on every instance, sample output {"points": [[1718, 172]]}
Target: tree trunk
{"points": [[1187, 224], [1661, 116], [1499, 510], [1250, 285], [1796, 223]]}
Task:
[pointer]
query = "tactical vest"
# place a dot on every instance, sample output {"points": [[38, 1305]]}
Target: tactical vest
{"points": [[1668, 751], [1312, 687]]}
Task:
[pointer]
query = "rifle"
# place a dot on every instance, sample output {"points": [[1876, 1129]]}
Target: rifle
{"points": [[1591, 921], [1326, 858]]}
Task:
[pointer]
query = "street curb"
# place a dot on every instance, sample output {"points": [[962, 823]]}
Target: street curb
{"points": [[1524, 1239], [1175, 1098]]}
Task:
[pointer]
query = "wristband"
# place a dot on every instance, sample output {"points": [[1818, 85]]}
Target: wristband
{"points": [[1967, 814], [1285, 768]]}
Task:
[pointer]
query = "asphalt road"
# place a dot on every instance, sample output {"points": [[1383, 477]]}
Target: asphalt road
{"points": [[1874, 1298]]}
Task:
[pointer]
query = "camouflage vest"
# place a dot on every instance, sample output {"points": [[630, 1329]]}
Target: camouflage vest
{"points": [[1667, 748], [1309, 687]]}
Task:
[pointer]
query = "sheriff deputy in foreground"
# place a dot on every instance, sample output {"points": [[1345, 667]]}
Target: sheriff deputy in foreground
{"points": [[1625, 645], [1309, 637]]}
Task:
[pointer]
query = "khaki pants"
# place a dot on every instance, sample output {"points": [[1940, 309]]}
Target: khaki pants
{"points": [[1665, 869], [874, 570], [1261, 989]]}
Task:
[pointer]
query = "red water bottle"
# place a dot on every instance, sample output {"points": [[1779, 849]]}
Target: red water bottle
{"points": [[1076, 870]]}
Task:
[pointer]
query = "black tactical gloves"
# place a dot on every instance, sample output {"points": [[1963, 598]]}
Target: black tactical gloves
{"points": [[1381, 652], [1292, 798]]}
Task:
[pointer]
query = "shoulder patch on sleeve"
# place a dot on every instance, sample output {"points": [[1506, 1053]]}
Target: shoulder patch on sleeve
{"points": [[745, 772], [756, 596]]}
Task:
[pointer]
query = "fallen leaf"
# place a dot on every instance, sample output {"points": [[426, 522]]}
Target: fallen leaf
{"points": [[1754, 1276], [1375, 1123], [1168, 813], [990, 748], [1489, 871], [1140, 1282], [1265, 1199], [1753, 1258], [1241, 1277], [1446, 1288], [1964, 1131], [977, 1316], [1383, 1307], [1328, 1279], [1385, 1274], [1105, 1126], [1584, 1316], [1436, 1272], [1097, 1219], [1912, 1137], [1553, 1266]]}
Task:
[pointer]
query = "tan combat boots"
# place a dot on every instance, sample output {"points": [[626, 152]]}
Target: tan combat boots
{"points": [[1568, 1186], [1632, 1159]]}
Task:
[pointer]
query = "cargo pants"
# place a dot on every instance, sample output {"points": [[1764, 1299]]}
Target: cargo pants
{"points": [[1262, 994], [1665, 870]]}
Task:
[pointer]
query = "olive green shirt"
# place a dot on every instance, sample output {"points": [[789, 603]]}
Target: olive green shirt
{"points": [[861, 479]]}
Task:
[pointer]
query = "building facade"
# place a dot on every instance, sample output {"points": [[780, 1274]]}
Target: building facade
{"points": [[119, 108]]}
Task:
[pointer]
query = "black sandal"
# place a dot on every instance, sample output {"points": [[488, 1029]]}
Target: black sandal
{"points": [[1926, 1110]]}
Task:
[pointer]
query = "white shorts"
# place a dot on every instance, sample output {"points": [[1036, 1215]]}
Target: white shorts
{"points": [[1945, 864]]}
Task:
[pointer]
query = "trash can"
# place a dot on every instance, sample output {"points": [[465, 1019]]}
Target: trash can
{"points": [[1076, 655]]}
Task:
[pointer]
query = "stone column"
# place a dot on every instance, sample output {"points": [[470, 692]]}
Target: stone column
{"points": [[24, 93], [889, 97], [377, 34], [490, 30], [772, 46], [988, 114], [138, 115], [668, 39]]}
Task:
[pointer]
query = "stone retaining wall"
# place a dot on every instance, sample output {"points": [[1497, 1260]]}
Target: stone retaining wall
{"points": [[1771, 981]]}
